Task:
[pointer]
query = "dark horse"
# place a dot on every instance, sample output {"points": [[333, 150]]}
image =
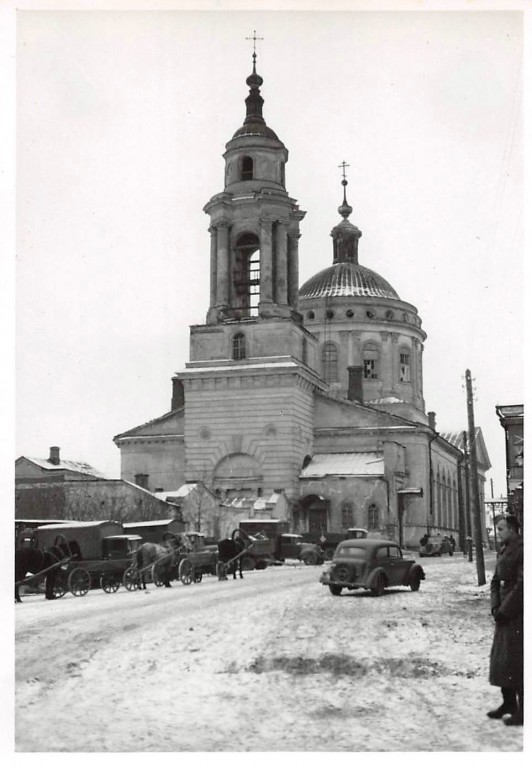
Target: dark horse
{"points": [[230, 553], [30, 560], [163, 554]]}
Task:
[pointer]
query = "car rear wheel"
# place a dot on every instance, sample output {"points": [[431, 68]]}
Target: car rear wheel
{"points": [[379, 585], [335, 589]]}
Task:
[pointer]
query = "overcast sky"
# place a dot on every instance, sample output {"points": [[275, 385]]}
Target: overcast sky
{"points": [[122, 119]]}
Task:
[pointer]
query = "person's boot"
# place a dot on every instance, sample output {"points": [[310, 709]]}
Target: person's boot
{"points": [[517, 717], [508, 706]]}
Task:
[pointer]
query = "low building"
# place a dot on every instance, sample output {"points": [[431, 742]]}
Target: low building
{"points": [[58, 489], [511, 418]]}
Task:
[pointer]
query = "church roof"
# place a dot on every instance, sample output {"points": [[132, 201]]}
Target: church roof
{"points": [[347, 279], [322, 464]]}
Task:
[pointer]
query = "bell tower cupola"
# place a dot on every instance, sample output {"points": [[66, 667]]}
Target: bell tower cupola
{"points": [[254, 224]]}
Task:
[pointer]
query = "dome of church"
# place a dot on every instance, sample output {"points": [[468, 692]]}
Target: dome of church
{"points": [[347, 279]]}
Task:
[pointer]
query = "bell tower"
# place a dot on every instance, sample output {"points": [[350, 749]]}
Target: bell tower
{"points": [[252, 373], [254, 224]]}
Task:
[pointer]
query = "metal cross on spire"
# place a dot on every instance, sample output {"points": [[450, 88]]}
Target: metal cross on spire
{"points": [[343, 165], [254, 38]]}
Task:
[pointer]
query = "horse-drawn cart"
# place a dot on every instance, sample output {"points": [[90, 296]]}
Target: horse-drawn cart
{"points": [[96, 554]]}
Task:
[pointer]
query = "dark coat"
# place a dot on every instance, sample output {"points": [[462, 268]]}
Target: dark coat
{"points": [[506, 659]]}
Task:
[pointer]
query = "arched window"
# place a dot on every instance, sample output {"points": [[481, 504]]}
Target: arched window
{"points": [[239, 346], [246, 275], [371, 361], [404, 366], [373, 517], [247, 168], [329, 361], [347, 515]]}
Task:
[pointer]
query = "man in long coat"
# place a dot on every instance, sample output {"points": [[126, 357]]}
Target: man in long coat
{"points": [[506, 659]]}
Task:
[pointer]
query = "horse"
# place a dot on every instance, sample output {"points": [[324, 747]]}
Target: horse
{"points": [[34, 560], [230, 552], [31, 560], [163, 554]]}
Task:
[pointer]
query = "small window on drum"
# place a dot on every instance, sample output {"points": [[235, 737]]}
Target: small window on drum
{"points": [[371, 362], [349, 313], [389, 315], [370, 313], [247, 168], [239, 346], [404, 367], [329, 314], [310, 315]]}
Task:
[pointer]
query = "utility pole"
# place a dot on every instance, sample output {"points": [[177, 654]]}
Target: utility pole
{"points": [[469, 538], [475, 490]]}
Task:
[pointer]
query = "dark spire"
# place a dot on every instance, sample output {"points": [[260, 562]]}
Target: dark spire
{"points": [[345, 235], [254, 101]]}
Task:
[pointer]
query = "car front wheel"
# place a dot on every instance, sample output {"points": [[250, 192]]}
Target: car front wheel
{"points": [[415, 581], [378, 585], [335, 589]]}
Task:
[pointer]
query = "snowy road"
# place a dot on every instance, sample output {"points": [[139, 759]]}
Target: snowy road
{"points": [[270, 663]]}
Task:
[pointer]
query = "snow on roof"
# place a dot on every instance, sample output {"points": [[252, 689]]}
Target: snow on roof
{"points": [[181, 492], [71, 466], [384, 401], [457, 438], [322, 464], [151, 523], [82, 524]]}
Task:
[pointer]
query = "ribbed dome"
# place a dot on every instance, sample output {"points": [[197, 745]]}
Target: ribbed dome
{"points": [[347, 279]]}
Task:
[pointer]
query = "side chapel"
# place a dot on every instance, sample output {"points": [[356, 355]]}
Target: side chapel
{"points": [[315, 392]]}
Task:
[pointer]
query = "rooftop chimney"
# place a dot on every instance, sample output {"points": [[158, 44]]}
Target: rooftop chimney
{"points": [[54, 455], [354, 387], [178, 394], [432, 420]]}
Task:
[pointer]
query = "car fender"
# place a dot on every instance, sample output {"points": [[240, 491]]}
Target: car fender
{"points": [[414, 569], [373, 575]]}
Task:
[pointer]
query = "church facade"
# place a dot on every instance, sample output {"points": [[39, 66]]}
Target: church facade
{"points": [[312, 392]]}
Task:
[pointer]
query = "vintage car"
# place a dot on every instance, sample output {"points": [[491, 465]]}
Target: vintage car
{"points": [[435, 546], [373, 564]]}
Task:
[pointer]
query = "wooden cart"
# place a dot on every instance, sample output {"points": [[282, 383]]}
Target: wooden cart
{"points": [[98, 552]]}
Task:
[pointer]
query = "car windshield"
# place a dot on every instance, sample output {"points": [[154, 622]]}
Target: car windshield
{"points": [[344, 551]]}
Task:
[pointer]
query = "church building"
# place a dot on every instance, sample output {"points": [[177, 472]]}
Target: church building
{"points": [[314, 393]]}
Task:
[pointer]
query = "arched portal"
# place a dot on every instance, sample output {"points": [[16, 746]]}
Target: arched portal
{"points": [[238, 474]]}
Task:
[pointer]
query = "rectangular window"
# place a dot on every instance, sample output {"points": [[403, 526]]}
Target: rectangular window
{"points": [[370, 369], [404, 367]]}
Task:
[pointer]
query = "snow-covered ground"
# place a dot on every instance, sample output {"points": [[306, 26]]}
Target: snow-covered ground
{"points": [[272, 663]]}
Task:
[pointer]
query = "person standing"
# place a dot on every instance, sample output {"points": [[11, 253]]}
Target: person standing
{"points": [[506, 657]]}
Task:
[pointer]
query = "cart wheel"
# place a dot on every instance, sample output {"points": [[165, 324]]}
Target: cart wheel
{"points": [[60, 588], [221, 571], [198, 577], [79, 582], [186, 571], [109, 582], [131, 578], [157, 575]]}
